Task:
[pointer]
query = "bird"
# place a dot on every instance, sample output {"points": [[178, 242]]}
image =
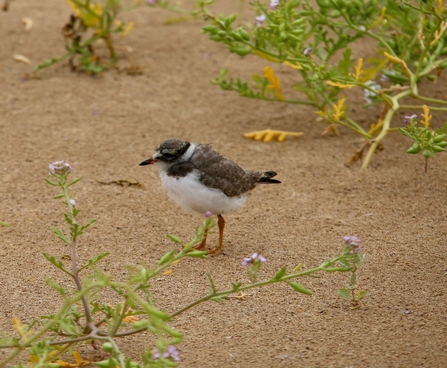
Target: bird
{"points": [[201, 180]]}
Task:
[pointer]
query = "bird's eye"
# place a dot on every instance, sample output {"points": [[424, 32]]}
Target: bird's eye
{"points": [[167, 155]]}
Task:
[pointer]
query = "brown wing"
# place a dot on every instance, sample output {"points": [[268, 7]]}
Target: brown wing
{"points": [[218, 172]]}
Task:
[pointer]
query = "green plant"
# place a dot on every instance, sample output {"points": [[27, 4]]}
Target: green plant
{"points": [[84, 318], [355, 261], [425, 140], [315, 40], [91, 21]]}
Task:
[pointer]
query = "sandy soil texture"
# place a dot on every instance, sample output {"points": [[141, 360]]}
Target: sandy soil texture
{"points": [[104, 126]]}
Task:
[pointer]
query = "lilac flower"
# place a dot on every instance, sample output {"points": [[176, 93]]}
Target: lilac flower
{"points": [[274, 4], [407, 119], [207, 214], [151, 2], [259, 19], [155, 354], [254, 257], [73, 202], [172, 353], [307, 51], [353, 242], [60, 167]]}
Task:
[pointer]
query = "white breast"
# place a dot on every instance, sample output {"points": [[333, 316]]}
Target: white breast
{"points": [[192, 195]]}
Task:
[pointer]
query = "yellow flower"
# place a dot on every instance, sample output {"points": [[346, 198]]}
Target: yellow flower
{"points": [[396, 60], [379, 20], [265, 56], [130, 319], [79, 362], [126, 29], [339, 109], [439, 33], [374, 127], [90, 15], [21, 329], [440, 8], [358, 70], [296, 66], [426, 115], [268, 135], [274, 82], [340, 85]]}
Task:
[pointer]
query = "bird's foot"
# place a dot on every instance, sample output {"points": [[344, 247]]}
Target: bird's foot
{"points": [[201, 246], [215, 251]]}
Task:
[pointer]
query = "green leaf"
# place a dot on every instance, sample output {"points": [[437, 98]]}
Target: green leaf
{"points": [[94, 260], [197, 254], [175, 340], [68, 218], [74, 182], [109, 363], [175, 239], [338, 269], [236, 286], [82, 228], [167, 257], [360, 259], [59, 196], [345, 63], [170, 331], [280, 273], [141, 323], [300, 288], [353, 279], [359, 295], [218, 299], [57, 287], [52, 183], [345, 293], [58, 264], [61, 236]]}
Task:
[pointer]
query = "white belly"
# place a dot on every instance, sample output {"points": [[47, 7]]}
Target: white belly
{"points": [[192, 195]]}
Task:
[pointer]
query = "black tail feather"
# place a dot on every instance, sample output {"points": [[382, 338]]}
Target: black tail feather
{"points": [[267, 178]]}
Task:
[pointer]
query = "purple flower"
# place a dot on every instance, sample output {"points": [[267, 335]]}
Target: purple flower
{"points": [[73, 202], [259, 19], [254, 257], [353, 242], [408, 119], [274, 3], [151, 2], [307, 51], [207, 214], [155, 354], [60, 167], [172, 353]]}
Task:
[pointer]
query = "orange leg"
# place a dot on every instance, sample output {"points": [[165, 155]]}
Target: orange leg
{"points": [[202, 245], [221, 224]]}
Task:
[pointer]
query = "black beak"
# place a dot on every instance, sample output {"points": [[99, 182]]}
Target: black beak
{"points": [[149, 161]]}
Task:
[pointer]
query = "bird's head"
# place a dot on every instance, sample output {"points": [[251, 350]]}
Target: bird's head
{"points": [[168, 153]]}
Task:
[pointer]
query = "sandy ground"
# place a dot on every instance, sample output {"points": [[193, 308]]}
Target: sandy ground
{"points": [[106, 125]]}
